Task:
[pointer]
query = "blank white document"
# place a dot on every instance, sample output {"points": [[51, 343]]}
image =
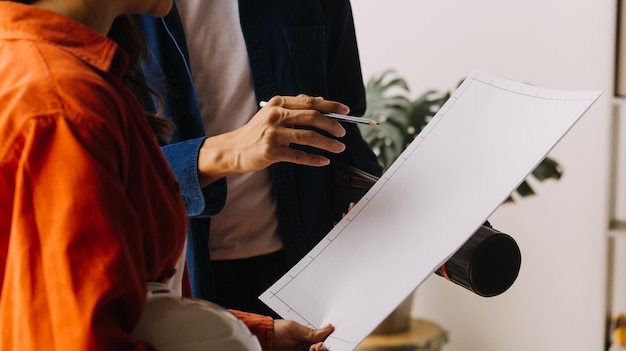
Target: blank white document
{"points": [[479, 147]]}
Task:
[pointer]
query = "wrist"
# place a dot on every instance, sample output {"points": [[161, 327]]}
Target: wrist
{"points": [[213, 163]]}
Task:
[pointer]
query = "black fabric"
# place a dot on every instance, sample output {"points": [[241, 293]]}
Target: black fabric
{"points": [[350, 184], [240, 282], [280, 38]]}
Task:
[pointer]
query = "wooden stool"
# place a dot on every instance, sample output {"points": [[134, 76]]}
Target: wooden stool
{"points": [[422, 335]]}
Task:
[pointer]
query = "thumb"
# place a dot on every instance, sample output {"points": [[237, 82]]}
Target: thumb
{"points": [[318, 347], [322, 333]]}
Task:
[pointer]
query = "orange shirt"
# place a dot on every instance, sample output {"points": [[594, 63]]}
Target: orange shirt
{"points": [[89, 211]]}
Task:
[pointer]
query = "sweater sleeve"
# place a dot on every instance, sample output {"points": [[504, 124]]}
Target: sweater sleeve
{"points": [[261, 326], [74, 270]]}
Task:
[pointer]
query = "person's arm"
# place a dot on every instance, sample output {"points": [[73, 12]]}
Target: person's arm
{"points": [[201, 199], [201, 164], [260, 326], [166, 72], [75, 272], [266, 138], [280, 334]]}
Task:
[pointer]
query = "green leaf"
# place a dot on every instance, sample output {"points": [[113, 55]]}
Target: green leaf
{"points": [[524, 189], [547, 169]]}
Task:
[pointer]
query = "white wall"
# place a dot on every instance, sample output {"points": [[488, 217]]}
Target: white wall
{"points": [[558, 300]]}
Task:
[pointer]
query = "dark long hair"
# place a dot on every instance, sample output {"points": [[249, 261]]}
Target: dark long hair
{"points": [[130, 38]]}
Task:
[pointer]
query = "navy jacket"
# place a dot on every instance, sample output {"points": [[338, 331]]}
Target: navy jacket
{"points": [[293, 47]]}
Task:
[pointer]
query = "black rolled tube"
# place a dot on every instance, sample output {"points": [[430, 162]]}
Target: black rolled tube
{"points": [[487, 264]]}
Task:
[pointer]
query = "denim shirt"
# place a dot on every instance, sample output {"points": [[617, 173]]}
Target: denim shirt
{"points": [[293, 47]]}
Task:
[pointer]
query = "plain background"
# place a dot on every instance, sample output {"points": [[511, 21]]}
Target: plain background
{"points": [[559, 299]]}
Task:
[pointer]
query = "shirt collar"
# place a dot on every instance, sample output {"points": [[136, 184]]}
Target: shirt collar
{"points": [[19, 21]]}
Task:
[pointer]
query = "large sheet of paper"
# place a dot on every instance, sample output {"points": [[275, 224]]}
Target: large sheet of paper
{"points": [[479, 147]]}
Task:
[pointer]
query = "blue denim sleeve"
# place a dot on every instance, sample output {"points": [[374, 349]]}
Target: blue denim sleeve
{"points": [[183, 160]]}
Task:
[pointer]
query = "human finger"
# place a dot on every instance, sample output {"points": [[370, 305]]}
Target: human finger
{"points": [[306, 102], [312, 335], [301, 158], [350, 207], [291, 335], [290, 117], [322, 333], [313, 139], [274, 146], [318, 347]]}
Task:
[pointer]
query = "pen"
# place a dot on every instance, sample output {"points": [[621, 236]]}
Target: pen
{"points": [[345, 118]]}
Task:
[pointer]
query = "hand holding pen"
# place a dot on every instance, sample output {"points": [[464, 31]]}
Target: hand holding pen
{"points": [[267, 137], [340, 117]]}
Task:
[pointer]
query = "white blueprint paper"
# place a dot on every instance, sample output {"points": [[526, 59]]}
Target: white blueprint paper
{"points": [[479, 147]]}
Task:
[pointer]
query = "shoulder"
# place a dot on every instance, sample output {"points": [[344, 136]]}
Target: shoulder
{"points": [[44, 79], [43, 85]]}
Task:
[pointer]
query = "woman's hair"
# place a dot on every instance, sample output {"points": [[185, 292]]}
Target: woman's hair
{"points": [[130, 38]]}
